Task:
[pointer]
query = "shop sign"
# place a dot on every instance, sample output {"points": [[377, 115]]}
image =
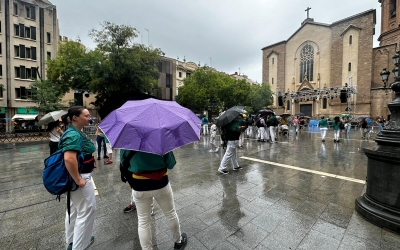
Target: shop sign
{"points": [[28, 111]]}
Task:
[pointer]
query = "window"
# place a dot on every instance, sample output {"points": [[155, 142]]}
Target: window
{"points": [[1, 48], [28, 32], [180, 74], [28, 53], [48, 37], [307, 63], [48, 55], [272, 80], [349, 66], [16, 29], [188, 74], [0, 21], [350, 39], [168, 80], [288, 105], [324, 103], [28, 73], [392, 8], [15, 9], [20, 93], [1, 70], [16, 51], [33, 53], [30, 12], [273, 60]]}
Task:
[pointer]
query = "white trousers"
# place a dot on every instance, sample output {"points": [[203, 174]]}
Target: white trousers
{"points": [[212, 142], [323, 132], [337, 134], [261, 130], [83, 207], [165, 200], [249, 131], [266, 133], [205, 129], [241, 139], [230, 155], [272, 133]]}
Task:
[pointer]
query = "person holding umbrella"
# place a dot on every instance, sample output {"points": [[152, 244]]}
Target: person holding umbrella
{"points": [[147, 131], [55, 132], [233, 130]]}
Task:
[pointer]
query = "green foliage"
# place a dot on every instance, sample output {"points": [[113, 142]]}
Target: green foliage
{"points": [[206, 85], [124, 66], [72, 66], [115, 65], [45, 95]]}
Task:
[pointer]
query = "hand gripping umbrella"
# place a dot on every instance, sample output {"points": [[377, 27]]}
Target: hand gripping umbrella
{"points": [[151, 126]]}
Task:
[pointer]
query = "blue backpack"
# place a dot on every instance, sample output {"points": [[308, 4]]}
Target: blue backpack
{"points": [[56, 178]]}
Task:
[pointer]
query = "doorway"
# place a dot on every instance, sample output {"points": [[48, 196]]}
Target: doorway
{"points": [[306, 109]]}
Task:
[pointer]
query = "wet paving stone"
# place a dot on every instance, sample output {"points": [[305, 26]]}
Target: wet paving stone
{"points": [[265, 206]]}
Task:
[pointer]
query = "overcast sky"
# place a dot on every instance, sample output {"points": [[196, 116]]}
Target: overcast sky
{"points": [[230, 32]]}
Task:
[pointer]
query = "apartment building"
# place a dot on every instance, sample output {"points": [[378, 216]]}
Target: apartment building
{"points": [[29, 34]]}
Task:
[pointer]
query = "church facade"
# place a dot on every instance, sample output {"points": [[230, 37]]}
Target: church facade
{"points": [[330, 69]]}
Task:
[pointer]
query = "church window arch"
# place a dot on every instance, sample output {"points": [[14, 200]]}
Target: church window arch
{"points": [[349, 67], [307, 63], [350, 39]]}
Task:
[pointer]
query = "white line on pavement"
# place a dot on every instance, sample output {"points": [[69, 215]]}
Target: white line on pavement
{"points": [[94, 186], [305, 170]]}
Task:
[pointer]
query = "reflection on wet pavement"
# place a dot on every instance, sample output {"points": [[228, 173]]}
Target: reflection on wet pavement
{"points": [[296, 194]]}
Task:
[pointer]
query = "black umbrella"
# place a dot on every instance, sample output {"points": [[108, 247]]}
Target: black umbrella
{"points": [[229, 116], [266, 112], [285, 115], [299, 114]]}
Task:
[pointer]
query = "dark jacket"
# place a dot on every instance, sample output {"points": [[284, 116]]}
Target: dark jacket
{"points": [[232, 131]]}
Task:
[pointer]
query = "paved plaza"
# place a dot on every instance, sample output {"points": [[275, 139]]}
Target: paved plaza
{"points": [[296, 194]]}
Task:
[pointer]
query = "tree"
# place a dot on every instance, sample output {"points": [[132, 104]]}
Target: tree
{"points": [[124, 65], [260, 97], [45, 96], [71, 69]]}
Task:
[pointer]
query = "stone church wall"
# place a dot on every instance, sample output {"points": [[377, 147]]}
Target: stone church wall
{"points": [[364, 71], [280, 50]]}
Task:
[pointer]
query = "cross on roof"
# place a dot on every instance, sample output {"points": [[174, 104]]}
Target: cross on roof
{"points": [[308, 10]]}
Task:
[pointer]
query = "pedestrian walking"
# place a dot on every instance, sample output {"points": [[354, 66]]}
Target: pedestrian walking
{"points": [[242, 132], [250, 124], [213, 134], [232, 134], [55, 132], [296, 123], [261, 129], [381, 123], [323, 127], [79, 223], [100, 142], [337, 124], [109, 152], [272, 122], [204, 124], [150, 180]]}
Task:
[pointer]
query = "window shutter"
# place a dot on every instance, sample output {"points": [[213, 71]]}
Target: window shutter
{"points": [[23, 71], [22, 51], [33, 53], [21, 30], [33, 33], [33, 12], [34, 73]]}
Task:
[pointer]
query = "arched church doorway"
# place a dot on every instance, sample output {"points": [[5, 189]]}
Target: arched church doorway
{"points": [[306, 109]]}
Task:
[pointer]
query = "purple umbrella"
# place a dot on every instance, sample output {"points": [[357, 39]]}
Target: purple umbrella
{"points": [[151, 126]]}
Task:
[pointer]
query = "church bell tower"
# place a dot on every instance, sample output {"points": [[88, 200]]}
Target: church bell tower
{"points": [[390, 22]]}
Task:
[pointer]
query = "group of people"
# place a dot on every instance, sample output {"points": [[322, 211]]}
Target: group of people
{"points": [[148, 179]]}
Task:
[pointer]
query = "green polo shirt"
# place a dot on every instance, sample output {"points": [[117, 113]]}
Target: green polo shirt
{"points": [[142, 162], [323, 123], [72, 142]]}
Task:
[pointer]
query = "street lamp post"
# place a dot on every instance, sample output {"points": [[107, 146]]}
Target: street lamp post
{"points": [[381, 202]]}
